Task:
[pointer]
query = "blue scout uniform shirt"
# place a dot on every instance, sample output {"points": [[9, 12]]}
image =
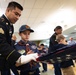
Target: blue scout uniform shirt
{"points": [[65, 63], [7, 52], [22, 49], [43, 51]]}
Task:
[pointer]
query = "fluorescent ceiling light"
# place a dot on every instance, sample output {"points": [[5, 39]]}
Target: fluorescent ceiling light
{"points": [[74, 28], [62, 17], [65, 35]]}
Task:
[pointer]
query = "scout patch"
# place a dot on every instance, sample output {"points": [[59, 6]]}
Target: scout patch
{"points": [[33, 47], [1, 31], [27, 27], [21, 51]]}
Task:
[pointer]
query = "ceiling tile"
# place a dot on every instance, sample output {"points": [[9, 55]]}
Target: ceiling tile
{"points": [[34, 13], [3, 3], [50, 4], [26, 13], [44, 13], [31, 21], [37, 22], [20, 2], [23, 21], [29, 3], [39, 3]]}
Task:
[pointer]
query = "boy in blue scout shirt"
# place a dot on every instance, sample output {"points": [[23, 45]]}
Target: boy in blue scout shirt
{"points": [[42, 51], [66, 65], [24, 46]]}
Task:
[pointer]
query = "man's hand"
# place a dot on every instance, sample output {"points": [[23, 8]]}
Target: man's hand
{"points": [[29, 52], [14, 37], [26, 58]]}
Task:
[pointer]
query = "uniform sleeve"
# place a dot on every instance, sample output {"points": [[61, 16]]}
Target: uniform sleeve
{"points": [[6, 50]]}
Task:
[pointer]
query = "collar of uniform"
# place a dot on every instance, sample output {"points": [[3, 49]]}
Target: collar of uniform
{"points": [[55, 33], [24, 42], [8, 20]]}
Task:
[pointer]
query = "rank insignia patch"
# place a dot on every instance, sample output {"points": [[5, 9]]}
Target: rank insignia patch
{"points": [[21, 51], [1, 31]]}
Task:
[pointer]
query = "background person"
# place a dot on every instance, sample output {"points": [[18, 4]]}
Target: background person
{"points": [[43, 50], [71, 41], [66, 66], [57, 30]]}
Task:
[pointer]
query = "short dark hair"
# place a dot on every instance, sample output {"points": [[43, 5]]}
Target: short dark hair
{"points": [[41, 44], [57, 27], [14, 4]]}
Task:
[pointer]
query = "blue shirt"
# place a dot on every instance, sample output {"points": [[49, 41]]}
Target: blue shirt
{"points": [[65, 63], [21, 48]]}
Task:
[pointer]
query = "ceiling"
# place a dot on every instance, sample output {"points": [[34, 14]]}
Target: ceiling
{"points": [[44, 15]]}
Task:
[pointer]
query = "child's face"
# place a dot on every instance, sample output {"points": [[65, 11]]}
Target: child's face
{"points": [[63, 41], [25, 35]]}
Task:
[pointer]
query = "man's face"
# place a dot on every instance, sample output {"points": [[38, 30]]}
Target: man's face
{"points": [[71, 38], [59, 31], [13, 15]]}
